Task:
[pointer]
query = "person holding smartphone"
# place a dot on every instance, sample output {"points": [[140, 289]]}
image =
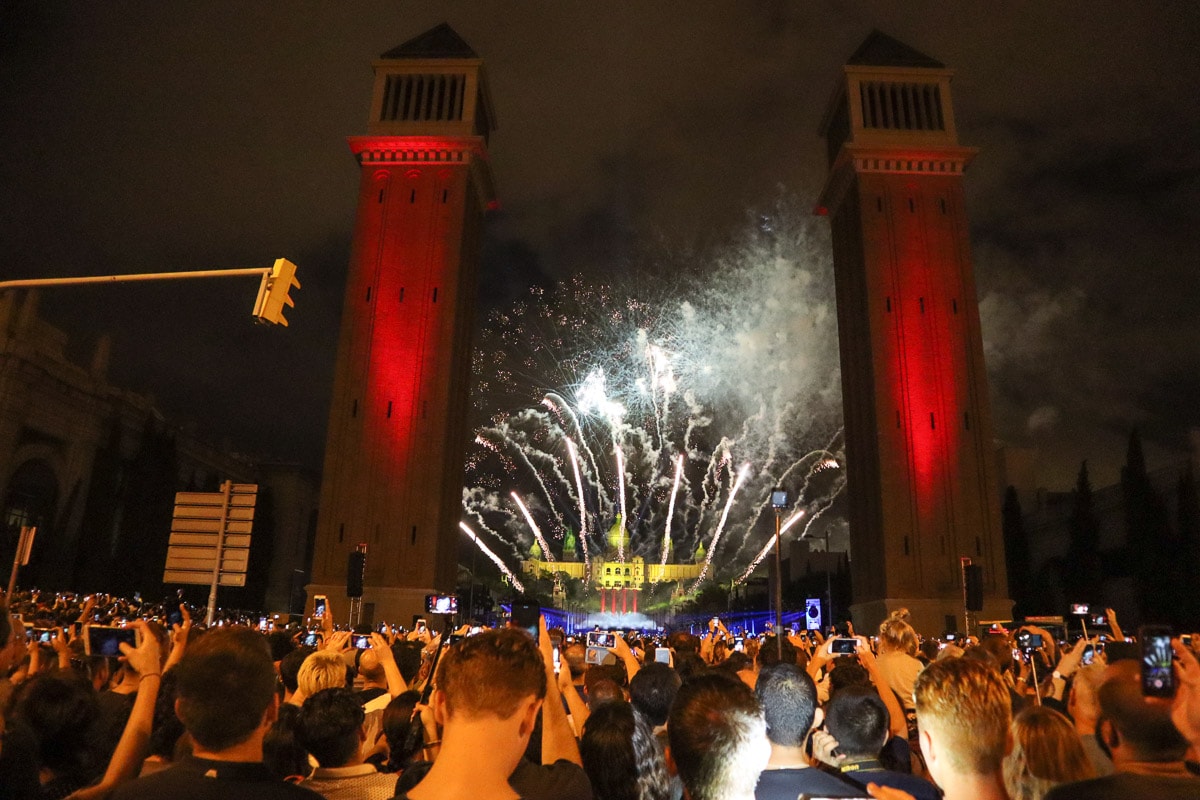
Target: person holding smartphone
{"points": [[1148, 750]]}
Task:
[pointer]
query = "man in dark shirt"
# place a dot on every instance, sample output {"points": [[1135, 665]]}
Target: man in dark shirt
{"points": [[789, 701], [858, 720], [227, 703], [1147, 750], [717, 737]]}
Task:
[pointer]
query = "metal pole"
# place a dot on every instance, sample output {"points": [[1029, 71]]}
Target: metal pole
{"points": [[12, 579], [778, 585], [226, 490], [963, 563], [828, 577], [471, 592], [137, 276]]}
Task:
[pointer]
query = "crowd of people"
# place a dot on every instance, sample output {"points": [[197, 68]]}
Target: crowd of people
{"points": [[266, 710]]}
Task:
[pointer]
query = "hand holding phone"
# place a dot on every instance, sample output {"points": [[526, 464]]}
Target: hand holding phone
{"points": [[1158, 656]]}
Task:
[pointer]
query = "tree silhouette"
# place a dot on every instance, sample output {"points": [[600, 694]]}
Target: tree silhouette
{"points": [[1016, 553], [1188, 526], [1152, 547], [1083, 576]]}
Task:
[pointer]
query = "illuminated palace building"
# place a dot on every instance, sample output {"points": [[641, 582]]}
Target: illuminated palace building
{"points": [[619, 580]]}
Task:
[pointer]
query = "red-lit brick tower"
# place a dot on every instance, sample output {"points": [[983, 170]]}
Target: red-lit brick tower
{"points": [[919, 449], [398, 430]]}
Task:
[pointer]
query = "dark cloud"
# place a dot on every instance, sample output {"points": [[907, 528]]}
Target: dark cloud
{"points": [[143, 135]]}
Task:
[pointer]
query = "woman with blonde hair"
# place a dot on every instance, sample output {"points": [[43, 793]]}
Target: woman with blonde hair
{"points": [[897, 658], [1046, 752]]}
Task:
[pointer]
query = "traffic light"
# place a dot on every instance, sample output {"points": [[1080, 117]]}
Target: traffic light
{"points": [[273, 293]]}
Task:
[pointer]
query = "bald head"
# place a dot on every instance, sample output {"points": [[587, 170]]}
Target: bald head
{"points": [[1136, 728]]}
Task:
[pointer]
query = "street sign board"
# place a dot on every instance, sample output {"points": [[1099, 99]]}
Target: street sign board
{"points": [[196, 536]]}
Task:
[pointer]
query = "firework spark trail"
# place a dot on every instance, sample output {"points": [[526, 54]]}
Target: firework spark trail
{"points": [[476, 506], [537, 532], [711, 484], [495, 558], [819, 466], [792, 520], [555, 409], [712, 548], [671, 508], [509, 466], [621, 491], [841, 484], [582, 500], [528, 453]]}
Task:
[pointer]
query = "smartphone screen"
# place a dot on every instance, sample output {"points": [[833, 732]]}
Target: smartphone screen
{"points": [[362, 641], [843, 646], [662, 655], [601, 639], [526, 615], [103, 640], [557, 660], [1158, 675], [319, 605]]}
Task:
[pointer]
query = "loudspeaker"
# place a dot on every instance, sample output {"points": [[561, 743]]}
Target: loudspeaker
{"points": [[356, 564], [973, 575]]}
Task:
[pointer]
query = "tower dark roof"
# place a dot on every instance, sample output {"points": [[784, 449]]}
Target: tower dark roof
{"points": [[439, 42], [881, 50]]}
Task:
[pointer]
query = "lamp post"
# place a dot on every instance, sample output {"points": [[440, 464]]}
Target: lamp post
{"points": [[779, 501]]}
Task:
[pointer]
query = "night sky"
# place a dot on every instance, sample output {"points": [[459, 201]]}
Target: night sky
{"points": [[150, 136]]}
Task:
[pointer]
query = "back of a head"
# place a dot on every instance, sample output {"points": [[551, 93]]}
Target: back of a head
{"points": [[683, 642], [653, 690], [576, 657], [226, 681], [408, 659], [329, 725], [768, 654], [717, 737], [289, 667], [789, 700], [370, 668], [397, 726], [859, 720], [1144, 726], [689, 664], [621, 756], [1046, 752], [284, 756], [896, 635], [966, 703], [321, 670], [60, 709], [491, 674], [847, 672], [998, 647], [281, 644]]}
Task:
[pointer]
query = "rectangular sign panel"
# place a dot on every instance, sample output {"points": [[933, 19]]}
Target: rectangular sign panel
{"points": [[202, 578]]}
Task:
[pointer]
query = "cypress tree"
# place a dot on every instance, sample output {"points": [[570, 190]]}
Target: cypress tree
{"points": [[1016, 552], [1188, 527], [1152, 547], [1083, 576]]}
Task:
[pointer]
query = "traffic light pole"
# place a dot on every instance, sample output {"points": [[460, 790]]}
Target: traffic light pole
{"points": [[137, 276], [277, 281]]}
